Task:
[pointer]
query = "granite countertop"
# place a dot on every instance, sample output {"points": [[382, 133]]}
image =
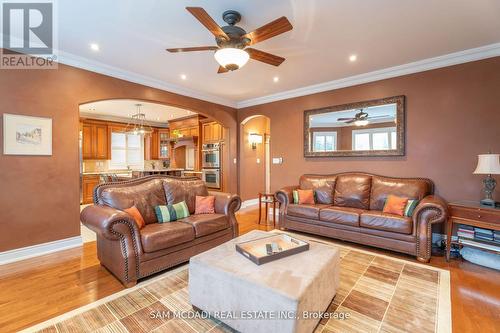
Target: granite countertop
{"points": [[129, 172], [159, 170], [118, 172]]}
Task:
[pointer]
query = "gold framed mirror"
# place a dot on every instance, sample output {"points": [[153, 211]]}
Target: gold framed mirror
{"points": [[368, 128]]}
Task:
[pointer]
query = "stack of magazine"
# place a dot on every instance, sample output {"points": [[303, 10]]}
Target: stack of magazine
{"points": [[478, 237]]}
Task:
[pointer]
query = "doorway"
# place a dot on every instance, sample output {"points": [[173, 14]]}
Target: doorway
{"points": [[255, 157]]}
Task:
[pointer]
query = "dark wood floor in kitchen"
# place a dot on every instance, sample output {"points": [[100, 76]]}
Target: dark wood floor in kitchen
{"points": [[34, 290]]}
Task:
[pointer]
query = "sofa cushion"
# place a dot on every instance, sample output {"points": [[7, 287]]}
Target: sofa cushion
{"points": [[159, 236], [395, 205], [307, 211], [205, 205], [411, 188], [352, 190], [170, 213], [306, 197], [341, 215], [206, 224], [145, 196], [386, 222], [323, 186], [186, 190]]}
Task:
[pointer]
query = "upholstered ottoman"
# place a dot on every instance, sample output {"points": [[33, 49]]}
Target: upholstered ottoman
{"points": [[272, 297]]}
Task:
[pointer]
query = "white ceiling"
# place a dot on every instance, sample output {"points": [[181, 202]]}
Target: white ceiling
{"points": [[133, 35], [124, 108]]}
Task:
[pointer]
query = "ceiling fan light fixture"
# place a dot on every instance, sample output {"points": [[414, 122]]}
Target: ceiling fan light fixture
{"points": [[361, 122], [231, 58]]}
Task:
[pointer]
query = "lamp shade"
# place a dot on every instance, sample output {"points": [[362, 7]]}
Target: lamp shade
{"points": [[231, 58], [488, 164]]}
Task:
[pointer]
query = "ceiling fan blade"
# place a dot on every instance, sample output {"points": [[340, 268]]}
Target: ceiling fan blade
{"points": [[351, 121], [269, 30], [191, 49], [342, 119], [268, 58], [209, 23], [374, 117], [222, 70]]}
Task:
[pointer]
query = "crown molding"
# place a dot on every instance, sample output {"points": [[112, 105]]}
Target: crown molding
{"points": [[456, 58], [483, 52], [123, 120], [101, 68]]}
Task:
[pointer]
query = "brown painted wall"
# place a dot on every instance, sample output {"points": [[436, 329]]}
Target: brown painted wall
{"points": [[39, 196], [253, 173], [453, 114]]}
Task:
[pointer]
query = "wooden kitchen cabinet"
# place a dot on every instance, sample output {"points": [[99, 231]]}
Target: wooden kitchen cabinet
{"points": [[87, 141], [152, 146], [95, 141], [193, 131], [163, 144], [88, 184], [212, 132], [101, 142]]}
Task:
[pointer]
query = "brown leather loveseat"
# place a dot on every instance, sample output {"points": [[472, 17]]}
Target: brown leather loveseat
{"points": [[349, 207], [130, 253]]}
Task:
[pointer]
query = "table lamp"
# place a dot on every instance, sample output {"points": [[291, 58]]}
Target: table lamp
{"points": [[488, 164]]}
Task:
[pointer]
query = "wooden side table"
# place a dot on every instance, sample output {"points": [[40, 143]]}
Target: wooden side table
{"points": [[473, 214], [267, 199]]}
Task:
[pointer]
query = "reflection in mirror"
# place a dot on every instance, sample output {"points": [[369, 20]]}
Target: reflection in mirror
{"points": [[358, 129]]}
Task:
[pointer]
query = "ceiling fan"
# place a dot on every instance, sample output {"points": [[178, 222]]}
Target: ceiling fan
{"points": [[231, 51], [361, 118]]}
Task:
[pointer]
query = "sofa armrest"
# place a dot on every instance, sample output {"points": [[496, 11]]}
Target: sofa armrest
{"points": [[227, 204], [285, 196], [431, 210], [109, 222]]}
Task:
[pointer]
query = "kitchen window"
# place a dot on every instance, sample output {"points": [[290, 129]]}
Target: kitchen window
{"points": [[126, 151], [374, 139], [324, 141]]}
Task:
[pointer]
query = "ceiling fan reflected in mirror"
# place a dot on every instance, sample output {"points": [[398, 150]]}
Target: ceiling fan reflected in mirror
{"points": [[361, 118], [232, 51]]}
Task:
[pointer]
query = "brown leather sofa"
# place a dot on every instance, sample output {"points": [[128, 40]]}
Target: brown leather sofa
{"points": [[130, 253], [349, 207]]}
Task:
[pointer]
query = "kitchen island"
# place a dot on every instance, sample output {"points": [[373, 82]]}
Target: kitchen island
{"points": [[176, 172]]}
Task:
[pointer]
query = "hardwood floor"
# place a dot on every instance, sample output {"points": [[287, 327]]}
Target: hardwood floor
{"points": [[34, 290]]}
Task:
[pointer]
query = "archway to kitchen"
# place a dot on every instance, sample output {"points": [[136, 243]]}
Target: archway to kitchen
{"points": [[255, 157], [122, 139]]}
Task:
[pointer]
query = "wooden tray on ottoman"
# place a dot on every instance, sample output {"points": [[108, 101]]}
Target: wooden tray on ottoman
{"points": [[255, 250]]}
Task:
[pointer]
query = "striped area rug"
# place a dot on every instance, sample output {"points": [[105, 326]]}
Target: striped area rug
{"points": [[377, 293]]}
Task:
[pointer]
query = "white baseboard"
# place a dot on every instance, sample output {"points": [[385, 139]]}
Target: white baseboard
{"points": [[39, 249], [249, 203]]}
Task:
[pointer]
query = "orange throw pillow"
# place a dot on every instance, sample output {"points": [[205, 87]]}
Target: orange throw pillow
{"points": [[306, 197], [395, 205], [136, 214], [204, 205]]}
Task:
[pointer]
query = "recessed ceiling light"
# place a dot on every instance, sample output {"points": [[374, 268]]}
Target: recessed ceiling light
{"points": [[157, 118], [353, 58], [94, 47], [183, 76], [276, 79]]}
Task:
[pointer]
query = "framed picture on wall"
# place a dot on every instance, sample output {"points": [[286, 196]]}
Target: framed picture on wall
{"points": [[26, 135]]}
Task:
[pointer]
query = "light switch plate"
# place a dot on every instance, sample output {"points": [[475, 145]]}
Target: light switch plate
{"points": [[235, 160]]}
